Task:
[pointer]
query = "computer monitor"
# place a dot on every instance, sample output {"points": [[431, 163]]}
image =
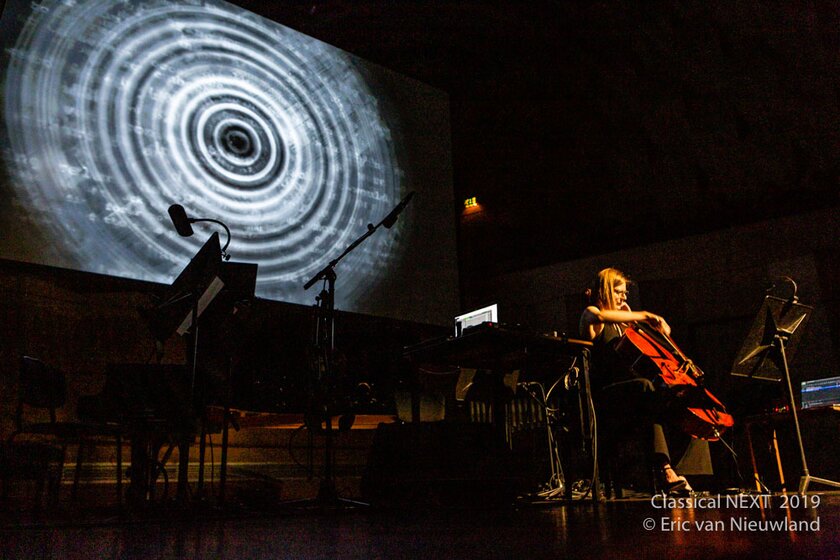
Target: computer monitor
{"points": [[818, 393], [474, 318]]}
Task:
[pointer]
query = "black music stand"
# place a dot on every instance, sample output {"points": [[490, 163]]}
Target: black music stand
{"points": [[240, 286], [771, 342], [191, 292], [187, 298]]}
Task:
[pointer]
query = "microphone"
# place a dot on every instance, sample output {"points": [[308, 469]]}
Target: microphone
{"points": [[793, 297], [180, 220], [391, 218]]}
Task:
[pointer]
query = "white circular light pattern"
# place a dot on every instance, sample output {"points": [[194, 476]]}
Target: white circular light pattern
{"points": [[117, 109]]}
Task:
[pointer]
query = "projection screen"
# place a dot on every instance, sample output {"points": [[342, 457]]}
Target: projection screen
{"points": [[114, 110]]}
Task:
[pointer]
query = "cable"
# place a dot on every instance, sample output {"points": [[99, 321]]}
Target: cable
{"points": [[737, 468], [294, 459], [556, 484]]}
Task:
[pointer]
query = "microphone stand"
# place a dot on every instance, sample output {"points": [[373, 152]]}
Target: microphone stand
{"points": [[387, 221], [325, 342]]}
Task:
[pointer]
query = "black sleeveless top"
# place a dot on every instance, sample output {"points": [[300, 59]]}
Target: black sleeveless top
{"points": [[607, 368]]}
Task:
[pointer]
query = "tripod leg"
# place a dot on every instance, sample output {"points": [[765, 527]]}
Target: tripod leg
{"points": [[202, 449], [779, 462], [805, 481], [183, 470], [752, 458], [792, 404], [223, 465]]}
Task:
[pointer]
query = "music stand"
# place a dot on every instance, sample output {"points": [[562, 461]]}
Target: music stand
{"points": [[187, 298], [774, 337], [240, 285]]}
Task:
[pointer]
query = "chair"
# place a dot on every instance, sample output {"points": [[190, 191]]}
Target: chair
{"points": [[42, 390], [38, 462], [625, 438]]}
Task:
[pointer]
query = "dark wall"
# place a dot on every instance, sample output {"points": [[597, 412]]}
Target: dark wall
{"points": [[590, 127], [658, 121]]}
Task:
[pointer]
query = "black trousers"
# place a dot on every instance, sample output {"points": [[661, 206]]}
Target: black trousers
{"points": [[630, 416]]}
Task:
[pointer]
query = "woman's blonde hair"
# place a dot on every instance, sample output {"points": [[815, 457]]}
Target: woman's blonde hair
{"points": [[601, 291]]}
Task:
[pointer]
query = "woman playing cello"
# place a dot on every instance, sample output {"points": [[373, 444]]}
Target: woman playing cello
{"points": [[603, 322]]}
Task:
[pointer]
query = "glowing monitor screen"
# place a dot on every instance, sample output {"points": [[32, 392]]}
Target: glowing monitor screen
{"points": [[818, 393], [113, 110], [474, 318]]}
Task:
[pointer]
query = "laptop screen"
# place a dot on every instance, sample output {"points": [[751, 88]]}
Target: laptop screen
{"points": [[475, 318], [821, 392]]}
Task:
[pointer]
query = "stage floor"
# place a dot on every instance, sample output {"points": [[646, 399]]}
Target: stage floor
{"points": [[739, 526]]}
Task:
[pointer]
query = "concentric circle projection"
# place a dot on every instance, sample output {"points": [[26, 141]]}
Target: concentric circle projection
{"points": [[117, 109]]}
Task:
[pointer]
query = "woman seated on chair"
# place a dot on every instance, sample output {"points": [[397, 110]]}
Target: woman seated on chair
{"points": [[603, 322]]}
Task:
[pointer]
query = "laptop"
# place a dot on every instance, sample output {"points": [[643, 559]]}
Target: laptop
{"points": [[475, 318], [818, 393]]}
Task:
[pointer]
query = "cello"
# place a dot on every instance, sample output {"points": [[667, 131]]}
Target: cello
{"points": [[652, 354]]}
